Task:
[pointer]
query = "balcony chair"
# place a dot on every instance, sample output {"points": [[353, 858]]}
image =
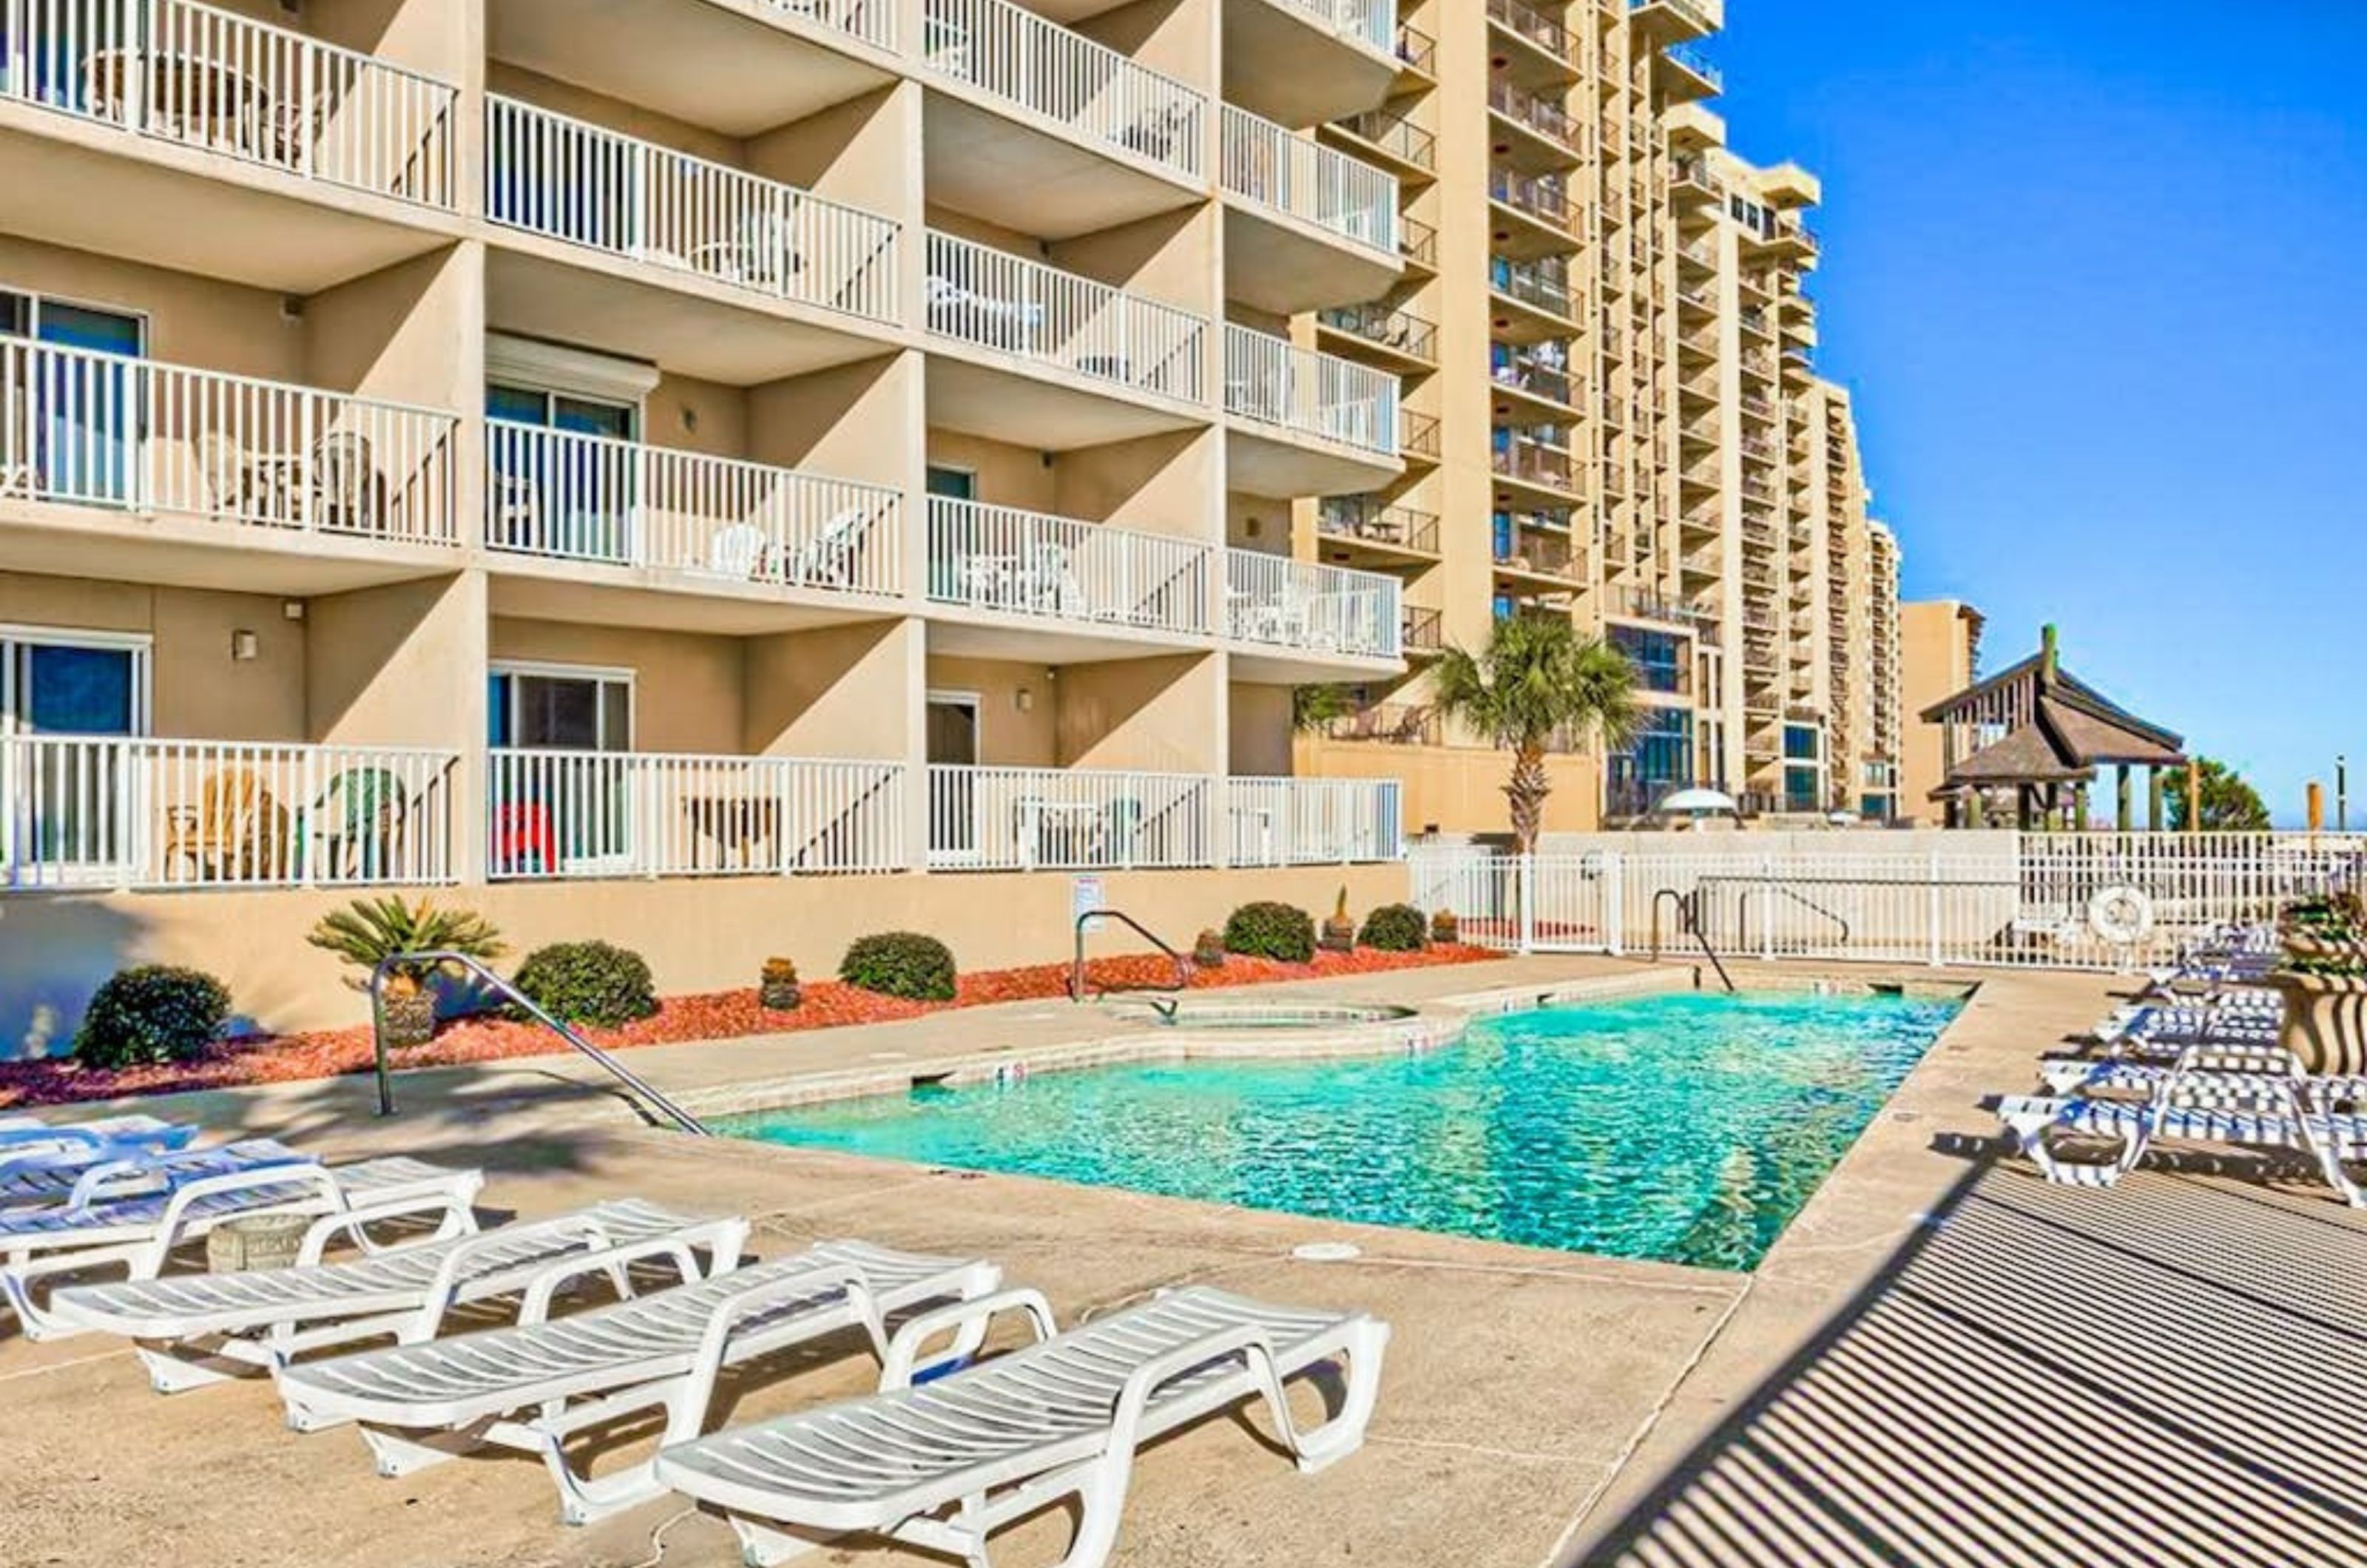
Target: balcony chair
{"points": [[764, 254], [348, 493], [831, 557], [523, 843], [737, 552], [957, 311], [236, 832], [367, 809]]}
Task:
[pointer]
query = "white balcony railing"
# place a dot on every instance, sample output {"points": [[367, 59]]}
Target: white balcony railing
{"points": [[1275, 381], [1023, 819], [1277, 167], [589, 498], [994, 299], [587, 813], [1016, 55], [873, 21], [124, 811], [207, 78], [1025, 563], [571, 180], [104, 430], [1281, 602], [1365, 21], [1286, 821]]}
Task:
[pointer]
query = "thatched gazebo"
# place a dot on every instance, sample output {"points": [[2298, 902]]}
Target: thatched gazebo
{"points": [[2034, 735]]}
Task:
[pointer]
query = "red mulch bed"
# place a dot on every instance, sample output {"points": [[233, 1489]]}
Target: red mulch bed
{"points": [[717, 1015]]}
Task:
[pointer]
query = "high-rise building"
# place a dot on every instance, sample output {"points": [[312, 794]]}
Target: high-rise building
{"points": [[625, 469], [1652, 448], [1938, 650]]}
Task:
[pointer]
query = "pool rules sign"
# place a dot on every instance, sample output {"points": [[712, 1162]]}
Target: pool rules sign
{"points": [[1085, 901]]}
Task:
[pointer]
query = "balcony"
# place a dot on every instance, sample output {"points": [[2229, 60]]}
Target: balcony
{"points": [[1540, 376], [1547, 49], [992, 819], [620, 209], [1687, 75], [1305, 225], [782, 543], [1098, 140], [342, 492], [1024, 311], [1424, 633], [1290, 821], [90, 811], [1390, 133], [1678, 18], [1398, 339], [1308, 61], [1388, 724], [1536, 464], [1416, 55], [1087, 576], [1316, 616], [1544, 131], [1386, 530], [615, 814], [1418, 435], [1548, 562], [1313, 423], [239, 115], [1417, 243], [1542, 289], [1543, 202]]}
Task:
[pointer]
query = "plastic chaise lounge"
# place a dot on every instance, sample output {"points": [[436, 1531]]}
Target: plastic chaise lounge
{"points": [[20, 1134], [140, 1233], [535, 1385], [2252, 1115], [194, 1329], [944, 1464], [79, 1176]]}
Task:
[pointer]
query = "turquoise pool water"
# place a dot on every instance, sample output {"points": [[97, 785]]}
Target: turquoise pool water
{"points": [[1687, 1128]]}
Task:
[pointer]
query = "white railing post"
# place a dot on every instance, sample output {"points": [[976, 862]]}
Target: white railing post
{"points": [[1934, 903], [1767, 906], [1615, 903], [1524, 883]]}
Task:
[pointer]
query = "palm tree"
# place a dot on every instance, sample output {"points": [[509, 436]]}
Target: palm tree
{"points": [[1538, 678]]}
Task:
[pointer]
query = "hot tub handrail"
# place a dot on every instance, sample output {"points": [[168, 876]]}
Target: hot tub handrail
{"points": [[1080, 989], [1689, 924], [649, 1094]]}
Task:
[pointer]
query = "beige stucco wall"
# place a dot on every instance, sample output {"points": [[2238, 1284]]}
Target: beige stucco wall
{"points": [[1936, 644], [192, 321], [688, 690], [1454, 789], [199, 691], [697, 935]]}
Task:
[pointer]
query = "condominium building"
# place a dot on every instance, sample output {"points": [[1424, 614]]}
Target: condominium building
{"points": [[632, 469], [1652, 448], [1939, 654]]}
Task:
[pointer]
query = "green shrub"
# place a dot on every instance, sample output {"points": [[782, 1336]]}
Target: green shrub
{"points": [[588, 982], [901, 964], [1271, 931], [152, 1013], [1396, 928]]}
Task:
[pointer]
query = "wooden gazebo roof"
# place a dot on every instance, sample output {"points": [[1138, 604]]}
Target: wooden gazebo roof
{"points": [[2058, 729]]}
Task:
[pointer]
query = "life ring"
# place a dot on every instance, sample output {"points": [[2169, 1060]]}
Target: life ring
{"points": [[2121, 915]]}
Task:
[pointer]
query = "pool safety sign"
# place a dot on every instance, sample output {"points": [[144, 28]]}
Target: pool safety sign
{"points": [[1084, 898]]}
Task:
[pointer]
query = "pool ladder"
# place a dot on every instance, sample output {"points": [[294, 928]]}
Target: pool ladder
{"points": [[1689, 924], [1080, 988], [635, 1085]]}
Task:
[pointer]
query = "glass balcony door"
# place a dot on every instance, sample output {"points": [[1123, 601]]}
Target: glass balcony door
{"points": [[564, 800], [559, 497], [69, 811]]}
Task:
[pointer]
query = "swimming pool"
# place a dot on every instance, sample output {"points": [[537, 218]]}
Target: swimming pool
{"points": [[1687, 1128]]}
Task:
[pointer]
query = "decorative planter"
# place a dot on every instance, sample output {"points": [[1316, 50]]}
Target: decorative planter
{"points": [[777, 990], [1338, 936], [407, 1018], [1444, 931], [263, 1241], [1208, 952], [2325, 1023]]}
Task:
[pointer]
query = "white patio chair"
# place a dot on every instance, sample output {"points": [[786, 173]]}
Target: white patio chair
{"points": [[534, 1385], [736, 552], [944, 1464], [140, 1234], [187, 1327], [828, 559], [61, 1154], [2251, 1115]]}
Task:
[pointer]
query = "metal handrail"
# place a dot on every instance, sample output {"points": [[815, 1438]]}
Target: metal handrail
{"points": [[1077, 983], [650, 1095], [1742, 909], [1688, 923]]}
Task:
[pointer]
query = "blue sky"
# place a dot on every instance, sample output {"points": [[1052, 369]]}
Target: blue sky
{"points": [[2099, 274]]}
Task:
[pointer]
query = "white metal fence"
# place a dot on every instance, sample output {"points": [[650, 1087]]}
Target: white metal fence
{"points": [[1030, 60], [1028, 563], [987, 818], [1291, 822], [104, 430], [592, 498], [1276, 167], [1275, 381], [571, 180], [116, 811], [997, 300], [2041, 901], [589, 814], [1284, 602], [1363, 20], [873, 21], [207, 78]]}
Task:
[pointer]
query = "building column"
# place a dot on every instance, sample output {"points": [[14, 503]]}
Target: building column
{"points": [[2152, 800], [2126, 817]]}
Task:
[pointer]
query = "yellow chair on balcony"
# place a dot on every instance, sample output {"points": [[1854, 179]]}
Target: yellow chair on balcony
{"points": [[236, 832]]}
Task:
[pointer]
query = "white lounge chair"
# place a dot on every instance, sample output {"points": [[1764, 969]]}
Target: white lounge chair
{"points": [[140, 1234], [2336, 1140], [25, 1143], [188, 1324], [535, 1385], [944, 1464], [78, 1183]]}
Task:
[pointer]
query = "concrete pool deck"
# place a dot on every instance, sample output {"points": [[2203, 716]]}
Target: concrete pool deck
{"points": [[1538, 1407]]}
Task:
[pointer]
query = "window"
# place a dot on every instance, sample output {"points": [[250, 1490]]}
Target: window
{"points": [[85, 420], [1659, 656], [560, 708], [1659, 760], [71, 812], [952, 724], [955, 484]]}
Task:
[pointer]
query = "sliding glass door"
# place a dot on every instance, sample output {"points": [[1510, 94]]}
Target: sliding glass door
{"points": [[71, 809]]}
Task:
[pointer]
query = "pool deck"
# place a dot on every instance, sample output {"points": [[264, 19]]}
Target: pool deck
{"points": [[1841, 1405]]}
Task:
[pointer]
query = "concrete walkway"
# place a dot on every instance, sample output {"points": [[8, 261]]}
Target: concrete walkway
{"points": [[1539, 1408]]}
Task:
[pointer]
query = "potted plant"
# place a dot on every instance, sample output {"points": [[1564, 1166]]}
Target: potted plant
{"points": [[370, 931], [1443, 929], [2325, 1022], [777, 990], [1208, 950], [1339, 930]]}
